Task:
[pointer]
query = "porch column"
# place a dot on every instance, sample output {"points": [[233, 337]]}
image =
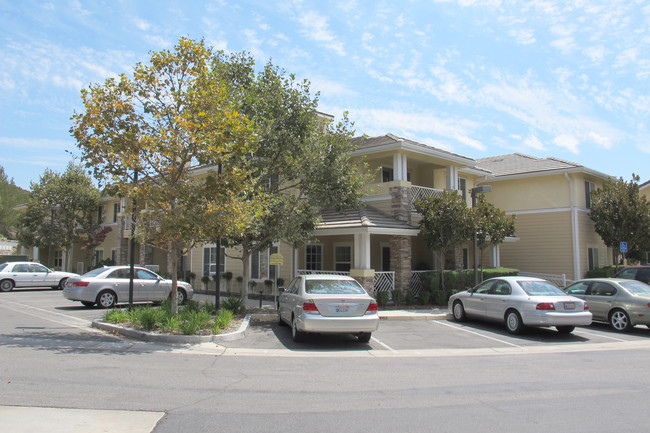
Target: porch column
{"points": [[399, 167], [452, 177], [400, 261], [401, 201], [361, 270]]}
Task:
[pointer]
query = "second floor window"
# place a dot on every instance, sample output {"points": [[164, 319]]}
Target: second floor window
{"points": [[462, 188], [116, 211], [589, 188]]}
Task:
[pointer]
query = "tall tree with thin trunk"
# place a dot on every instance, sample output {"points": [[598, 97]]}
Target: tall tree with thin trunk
{"points": [[173, 113]]}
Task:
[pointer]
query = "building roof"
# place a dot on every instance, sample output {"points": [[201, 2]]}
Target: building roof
{"points": [[365, 218], [389, 140], [520, 164]]}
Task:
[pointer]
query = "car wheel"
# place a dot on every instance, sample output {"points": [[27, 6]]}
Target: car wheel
{"points": [[106, 299], [62, 283], [620, 321], [6, 285], [181, 296], [458, 311], [364, 337], [514, 325], [297, 336], [87, 304], [565, 329]]}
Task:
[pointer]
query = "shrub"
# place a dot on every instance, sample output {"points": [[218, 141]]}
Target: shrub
{"points": [[410, 297], [170, 324], [605, 272], [425, 297], [147, 318], [397, 296], [116, 316], [382, 298], [233, 304], [193, 306], [224, 317], [192, 321], [208, 307]]}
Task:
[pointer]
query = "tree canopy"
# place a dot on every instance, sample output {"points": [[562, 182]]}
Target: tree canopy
{"points": [[621, 214], [492, 224], [11, 195], [144, 136], [62, 208]]}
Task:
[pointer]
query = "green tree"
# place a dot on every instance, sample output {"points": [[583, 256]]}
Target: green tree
{"points": [[492, 225], [446, 222], [11, 195], [621, 214], [301, 164], [77, 202], [174, 113]]}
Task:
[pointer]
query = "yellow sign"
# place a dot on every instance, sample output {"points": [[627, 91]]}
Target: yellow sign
{"points": [[276, 259]]}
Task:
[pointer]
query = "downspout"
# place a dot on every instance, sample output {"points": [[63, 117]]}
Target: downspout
{"points": [[575, 235]]}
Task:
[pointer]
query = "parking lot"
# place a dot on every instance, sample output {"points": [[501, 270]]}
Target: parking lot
{"points": [[36, 310]]}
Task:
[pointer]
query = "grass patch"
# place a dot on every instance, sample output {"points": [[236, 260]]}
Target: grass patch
{"points": [[193, 318]]}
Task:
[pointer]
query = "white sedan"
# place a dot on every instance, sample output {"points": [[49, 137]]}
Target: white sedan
{"points": [[30, 274], [327, 304], [519, 302]]}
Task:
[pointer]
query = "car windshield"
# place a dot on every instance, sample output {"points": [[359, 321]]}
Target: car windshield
{"points": [[636, 287], [333, 287], [94, 272], [540, 288]]}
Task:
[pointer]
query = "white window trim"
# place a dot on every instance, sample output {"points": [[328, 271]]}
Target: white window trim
{"points": [[342, 244], [322, 252]]}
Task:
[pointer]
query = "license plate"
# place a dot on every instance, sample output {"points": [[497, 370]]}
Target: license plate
{"points": [[569, 306], [342, 308]]}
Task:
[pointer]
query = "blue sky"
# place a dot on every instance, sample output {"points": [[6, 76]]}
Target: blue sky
{"points": [[563, 78]]}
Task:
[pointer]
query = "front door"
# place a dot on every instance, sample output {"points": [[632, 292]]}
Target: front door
{"points": [[385, 258]]}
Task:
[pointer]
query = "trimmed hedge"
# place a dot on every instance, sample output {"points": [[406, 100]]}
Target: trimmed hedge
{"points": [[606, 272], [457, 281]]}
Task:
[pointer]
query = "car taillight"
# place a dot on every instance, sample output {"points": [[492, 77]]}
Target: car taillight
{"points": [[80, 284], [372, 308], [310, 307], [545, 306], [587, 306]]}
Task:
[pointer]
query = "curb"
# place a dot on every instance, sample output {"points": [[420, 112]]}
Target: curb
{"points": [[238, 334]]}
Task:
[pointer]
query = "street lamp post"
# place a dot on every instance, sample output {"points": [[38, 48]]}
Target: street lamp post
{"points": [[53, 208], [476, 191]]}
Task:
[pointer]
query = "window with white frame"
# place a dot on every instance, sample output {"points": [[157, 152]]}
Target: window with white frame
{"points": [[462, 188], [99, 257], [116, 211], [314, 257], [260, 264], [210, 260], [343, 258], [100, 214], [592, 254], [589, 188], [58, 259], [386, 174]]}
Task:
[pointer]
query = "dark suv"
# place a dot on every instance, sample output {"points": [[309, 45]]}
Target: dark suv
{"points": [[640, 273]]}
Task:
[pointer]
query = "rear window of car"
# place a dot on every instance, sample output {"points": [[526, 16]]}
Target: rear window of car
{"points": [[2, 266], [540, 288], [94, 272], [636, 287], [333, 287]]}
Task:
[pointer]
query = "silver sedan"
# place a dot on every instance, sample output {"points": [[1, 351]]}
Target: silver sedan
{"points": [[621, 302], [327, 304], [109, 286], [521, 302], [30, 274]]}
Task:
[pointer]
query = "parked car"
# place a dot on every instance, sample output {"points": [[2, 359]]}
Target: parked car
{"points": [[327, 304], [30, 274], [620, 302], [109, 286], [639, 273], [519, 302]]}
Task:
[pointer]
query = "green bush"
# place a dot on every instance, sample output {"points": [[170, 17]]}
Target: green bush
{"points": [[170, 324], [397, 296], [224, 317], [382, 298], [115, 315], [425, 297], [606, 272], [233, 304], [147, 318], [410, 297]]}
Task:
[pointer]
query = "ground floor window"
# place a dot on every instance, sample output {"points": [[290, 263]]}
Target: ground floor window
{"points": [[343, 258], [592, 253], [210, 261], [58, 259], [260, 264], [465, 258], [99, 257], [314, 257]]}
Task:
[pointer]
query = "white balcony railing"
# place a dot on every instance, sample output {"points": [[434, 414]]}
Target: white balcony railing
{"points": [[420, 192]]}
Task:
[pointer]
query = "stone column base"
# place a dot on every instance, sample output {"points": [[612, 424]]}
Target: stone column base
{"points": [[365, 277]]}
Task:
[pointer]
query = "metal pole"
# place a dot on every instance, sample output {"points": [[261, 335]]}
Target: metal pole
{"points": [[132, 247], [217, 280], [474, 245], [53, 209]]}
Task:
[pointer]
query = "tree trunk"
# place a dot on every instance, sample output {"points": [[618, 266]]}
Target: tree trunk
{"points": [[174, 260]]}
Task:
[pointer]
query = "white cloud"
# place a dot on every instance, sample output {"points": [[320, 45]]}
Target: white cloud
{"points": [[569, 142], [316, 27], [142, 24], [532, 142]]}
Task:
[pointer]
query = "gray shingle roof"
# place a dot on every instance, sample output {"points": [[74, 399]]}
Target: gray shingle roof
{"points": [[366, 216], [517, 163], [383, 140]]}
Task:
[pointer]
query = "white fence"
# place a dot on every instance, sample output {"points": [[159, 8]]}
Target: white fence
{"points": [[384, 280]]}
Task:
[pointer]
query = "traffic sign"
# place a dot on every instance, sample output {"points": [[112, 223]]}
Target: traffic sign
{"points": [[623, 247]]}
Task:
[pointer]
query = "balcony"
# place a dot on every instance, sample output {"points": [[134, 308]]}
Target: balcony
{"points": [[421, 192]]}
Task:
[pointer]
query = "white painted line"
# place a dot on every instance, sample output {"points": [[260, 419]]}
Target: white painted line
{"points": [[383, 345], [602, 336], [41, 313], [439, 322]]}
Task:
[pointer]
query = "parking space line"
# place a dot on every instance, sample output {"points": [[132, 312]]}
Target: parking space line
{"points": [[384, 345], [41, 313], [440, 322], [604, 336]]}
